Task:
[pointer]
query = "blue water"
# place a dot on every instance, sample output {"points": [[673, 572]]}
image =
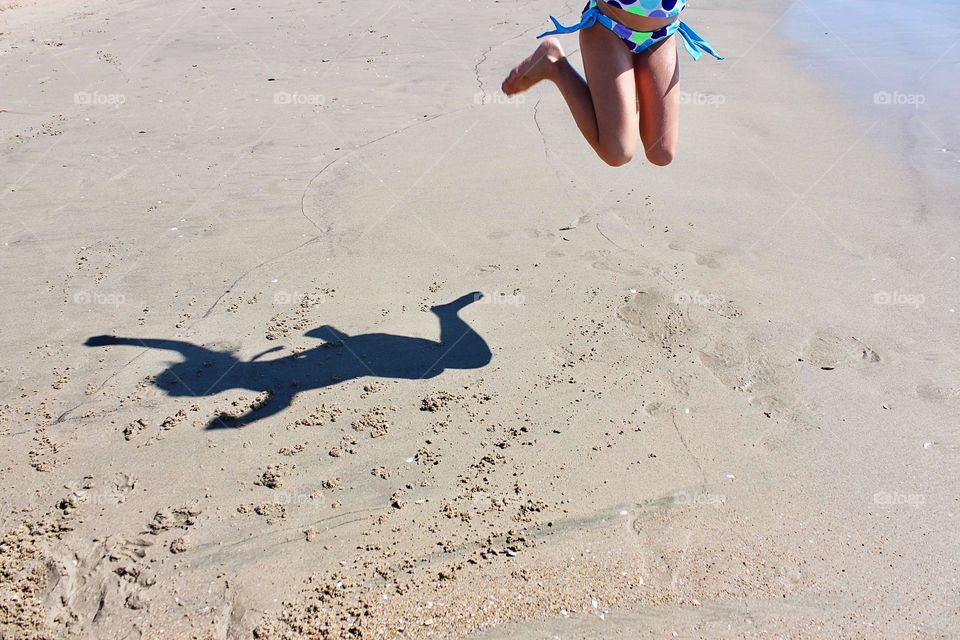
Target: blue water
{"points": [[892, 61], [886, 40]]}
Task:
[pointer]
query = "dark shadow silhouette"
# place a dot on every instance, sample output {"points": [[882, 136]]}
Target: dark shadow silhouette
{"points": [[342, 357]]}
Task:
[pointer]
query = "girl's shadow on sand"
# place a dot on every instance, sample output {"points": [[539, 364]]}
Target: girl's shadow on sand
{"points": [[206, 372]]}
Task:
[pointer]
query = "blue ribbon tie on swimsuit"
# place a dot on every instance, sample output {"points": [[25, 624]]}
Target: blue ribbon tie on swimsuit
{"points": [[639, 41]]}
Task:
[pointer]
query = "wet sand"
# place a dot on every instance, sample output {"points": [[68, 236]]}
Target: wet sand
{"points": [[251, 388]]}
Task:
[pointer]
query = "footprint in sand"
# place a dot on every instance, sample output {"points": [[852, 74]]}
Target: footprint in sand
{"points": [[828, 351], [658, 409], [603, 265], [533, 232], [933, 392], [748, 373], [530, 232], [105, 578], [747, 364], [656, 317], [604, 260], [710, 258], [671, 527]]}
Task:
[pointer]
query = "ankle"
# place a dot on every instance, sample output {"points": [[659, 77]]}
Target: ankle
{"points": [[556, 69]]}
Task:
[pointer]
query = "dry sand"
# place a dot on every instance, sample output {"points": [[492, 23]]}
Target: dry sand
{"points": [[697, 417]]}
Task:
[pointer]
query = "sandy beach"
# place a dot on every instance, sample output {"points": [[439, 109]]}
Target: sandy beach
{"points": [[310, 332]]}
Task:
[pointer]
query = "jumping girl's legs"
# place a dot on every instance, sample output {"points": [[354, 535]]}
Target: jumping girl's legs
{"points": [[606, 109], [610, 83], [657, 72], [623, 93]]}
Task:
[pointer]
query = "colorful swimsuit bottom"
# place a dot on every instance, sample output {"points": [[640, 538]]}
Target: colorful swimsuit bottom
{"points": [[640, 41]]}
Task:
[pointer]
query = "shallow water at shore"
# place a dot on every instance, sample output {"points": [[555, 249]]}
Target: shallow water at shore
{"points": [[897, 65]]}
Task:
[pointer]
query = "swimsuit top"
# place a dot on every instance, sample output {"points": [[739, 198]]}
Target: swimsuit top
{"points": [[650, 8]]}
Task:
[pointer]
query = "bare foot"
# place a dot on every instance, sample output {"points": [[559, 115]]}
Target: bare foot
{"points": [[539, 66]]}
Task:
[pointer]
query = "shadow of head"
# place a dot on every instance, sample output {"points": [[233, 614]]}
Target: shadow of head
{"points": [[202, 371]]}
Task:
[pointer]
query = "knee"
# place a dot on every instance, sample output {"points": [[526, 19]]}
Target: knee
{"points": [[616, 156], [660, 156]]}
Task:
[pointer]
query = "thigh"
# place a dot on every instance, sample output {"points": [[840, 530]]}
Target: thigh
{"points": [[608, 66], [658, 85]]}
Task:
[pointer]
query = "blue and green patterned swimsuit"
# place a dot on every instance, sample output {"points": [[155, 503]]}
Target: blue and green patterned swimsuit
{"points": [[640, 41]]}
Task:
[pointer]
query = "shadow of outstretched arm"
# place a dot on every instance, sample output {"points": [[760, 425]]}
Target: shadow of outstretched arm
{"points": [[187, 350], [327, 333], [461, 302], [463, 347]]}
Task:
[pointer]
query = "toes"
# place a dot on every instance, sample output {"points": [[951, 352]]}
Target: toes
{"points": [[508, 84]]}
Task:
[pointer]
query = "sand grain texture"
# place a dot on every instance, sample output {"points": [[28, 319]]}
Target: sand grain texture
{"points": [[248, 389]]}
